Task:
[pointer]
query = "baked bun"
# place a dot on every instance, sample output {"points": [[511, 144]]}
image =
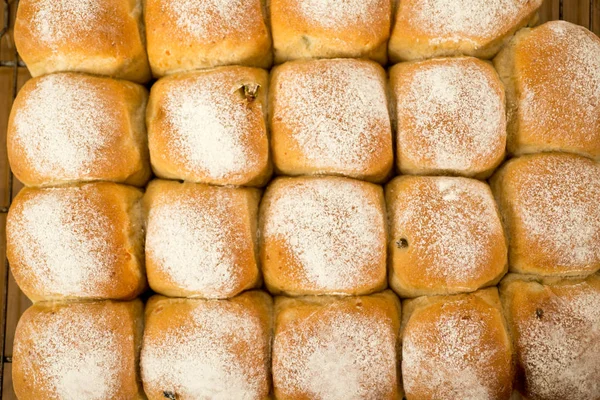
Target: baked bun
{"points": [[184, 35], [79, 351], [77, 242], [69, 127], [549, 204], [103, 37], [554, 323], [456, 347], [331, 117], [552, 76], [450, 117], [337, 348], [200, 239], [479, 28], [210, 127], [328, 29], [323, 235], [445, 236], [215, 349]]}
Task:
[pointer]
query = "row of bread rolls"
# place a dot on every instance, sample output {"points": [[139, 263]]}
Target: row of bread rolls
{"points": [[234, 125], [539, 336], [309, 235], [108, 37]]}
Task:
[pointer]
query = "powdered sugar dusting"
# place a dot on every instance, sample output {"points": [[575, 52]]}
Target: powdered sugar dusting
{"points": [[332, 229], [451, 115], [64, 126], [62, 20], [344, 356], [200, 359], [63, 242], [560, 351], [336, 113], [339, 13]]}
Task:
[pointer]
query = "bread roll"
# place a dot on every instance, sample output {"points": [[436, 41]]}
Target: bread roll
{"points": [[69, 127], [84, 351], [217, 349], [327, 29], [323, 235], [331, 117], [479, 28], [554, 323], [337, 348], [445, 236], [450, 117], [210, 127], [200, 239], [456, 347], [184, 35], [77, 242], [103, 37], [552, 76], [549, 204]]}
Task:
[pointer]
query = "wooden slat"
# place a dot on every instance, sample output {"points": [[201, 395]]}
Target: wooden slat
{"points": [[577, 11], [594, 23], [549, 11]]}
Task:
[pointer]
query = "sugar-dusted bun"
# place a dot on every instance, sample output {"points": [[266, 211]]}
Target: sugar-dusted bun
{"points": [[69, 127], [450, 117], [210, 127], [331, 117], [208, 349], [456, 347], [445, 236], [337, 348], [200, 239], [554, 323], [84, 351], [549, 204], [104, 37], [329, 28], [552, 76], [77, 242], [323, 235], [434, 28], [184, 35]]}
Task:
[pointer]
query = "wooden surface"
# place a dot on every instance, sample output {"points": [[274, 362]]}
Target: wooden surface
{"points": [[582, 12]]}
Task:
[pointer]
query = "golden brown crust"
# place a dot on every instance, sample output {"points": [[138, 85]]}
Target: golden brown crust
{"points": [[77, 242], [104, 37], [79, 350], [184, 35], [445, 236], [326, 29], [201, 240], [552, 78], [225, 344], [210, 127], [67, 127]]}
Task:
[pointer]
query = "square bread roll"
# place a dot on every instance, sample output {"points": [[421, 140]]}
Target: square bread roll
{"points": [[77, 242], [184, 35], [323, 235], [102, 37], [456, 347], [80, 351], [210, 127], [552, 77], [201, 240], [549, 205], [328, 28], [450, 117], [444, 28], [337, 348], [208, 349], [555, 324], [445, 236], [69, 127], [331, 117]]}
